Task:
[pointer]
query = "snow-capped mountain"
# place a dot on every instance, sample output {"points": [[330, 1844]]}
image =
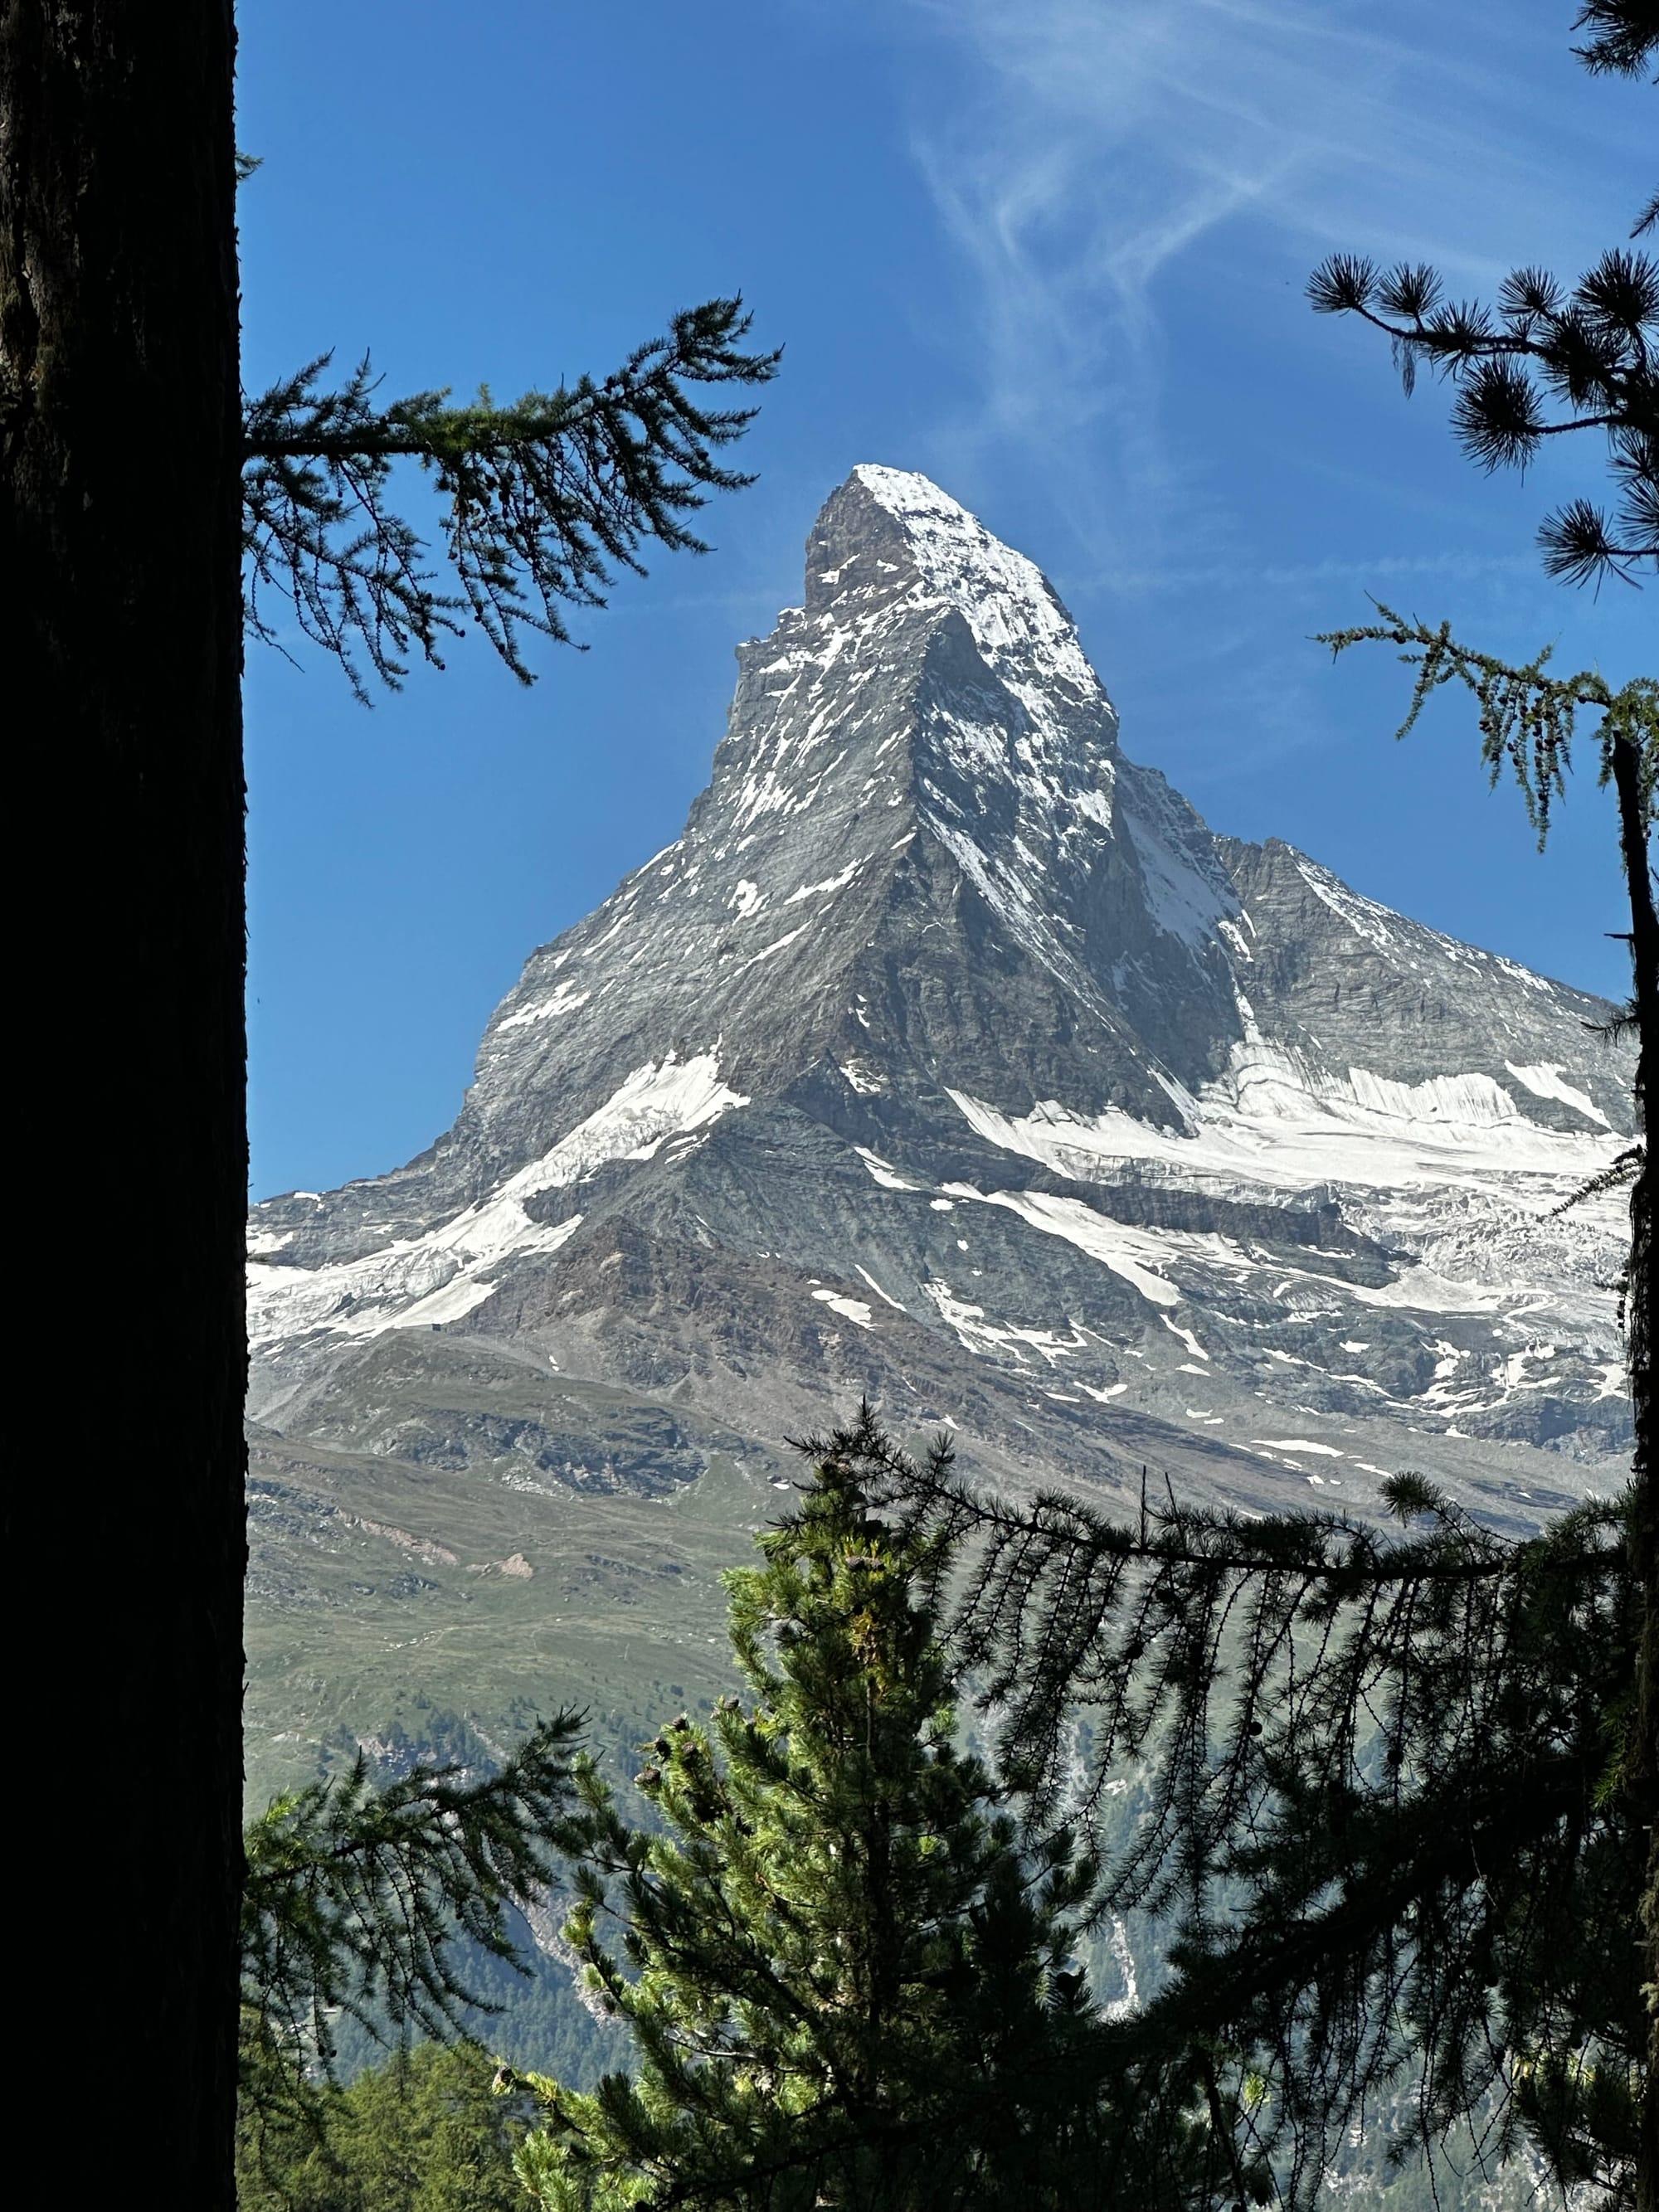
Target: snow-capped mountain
{"points": [[948, 1055]]}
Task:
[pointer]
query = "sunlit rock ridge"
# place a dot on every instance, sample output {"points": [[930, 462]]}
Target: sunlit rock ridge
{"points": [[948, 1055]]}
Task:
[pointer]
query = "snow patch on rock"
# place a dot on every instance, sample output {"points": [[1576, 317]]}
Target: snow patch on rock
{"points": [[444, 1275]]}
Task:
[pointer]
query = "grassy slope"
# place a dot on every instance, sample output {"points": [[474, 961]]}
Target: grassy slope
{"points": [[377, 1584]]}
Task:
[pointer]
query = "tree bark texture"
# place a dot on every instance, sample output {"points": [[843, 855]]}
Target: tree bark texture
{"points": [[1638, 1320], [119, 466]]}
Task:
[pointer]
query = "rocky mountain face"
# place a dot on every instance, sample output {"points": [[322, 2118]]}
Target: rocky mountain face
{"points": [[948, 1056]]}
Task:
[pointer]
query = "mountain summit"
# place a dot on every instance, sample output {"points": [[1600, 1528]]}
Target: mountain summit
{"points": [[948, 1055]]}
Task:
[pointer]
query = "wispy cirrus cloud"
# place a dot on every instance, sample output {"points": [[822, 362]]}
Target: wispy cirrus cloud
{"points": [[1381, 569], [1093, 160]]}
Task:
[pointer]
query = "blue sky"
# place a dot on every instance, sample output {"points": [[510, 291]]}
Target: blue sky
{"points": [[1050, 252]]}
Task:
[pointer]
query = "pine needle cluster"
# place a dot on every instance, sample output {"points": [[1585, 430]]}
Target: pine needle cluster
{"points": [[544, 498], [1548, 359], [1382, 1795], [358, 1901], [1623, 36]]}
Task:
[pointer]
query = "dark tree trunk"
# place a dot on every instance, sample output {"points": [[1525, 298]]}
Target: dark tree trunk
{"points": [[119, 529], [1644, 1533]]}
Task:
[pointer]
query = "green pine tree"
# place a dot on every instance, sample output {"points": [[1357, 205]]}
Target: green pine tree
{"points": [[422, 2133], [360, 1904], [847, 1983]]}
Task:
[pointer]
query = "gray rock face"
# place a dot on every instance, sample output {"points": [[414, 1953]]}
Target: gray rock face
{"points": [[948, 1055]]}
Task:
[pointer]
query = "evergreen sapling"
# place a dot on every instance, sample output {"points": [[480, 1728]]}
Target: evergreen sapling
{"points": [[847, 1981]]}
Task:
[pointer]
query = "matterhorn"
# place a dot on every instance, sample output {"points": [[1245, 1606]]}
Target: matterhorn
{"points": [[947, 1058]]}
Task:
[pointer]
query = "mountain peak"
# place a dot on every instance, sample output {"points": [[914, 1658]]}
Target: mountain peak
{"points": [[890, 536], [946, 1059], [947, 1055]]}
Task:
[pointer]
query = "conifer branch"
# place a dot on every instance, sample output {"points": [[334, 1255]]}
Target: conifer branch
{"points": [[1590, 353], [1373, 1774], [1620, 1171], [356, 1898], [1623, 36], [544, 498], [1528, 718]]}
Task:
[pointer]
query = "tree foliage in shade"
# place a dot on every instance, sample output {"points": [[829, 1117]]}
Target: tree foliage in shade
{"points": [[847, 1982], [1548, 359], [1385, 1800], [1594, 354], [424, 2132], [356, 1899], [544, 498]]}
